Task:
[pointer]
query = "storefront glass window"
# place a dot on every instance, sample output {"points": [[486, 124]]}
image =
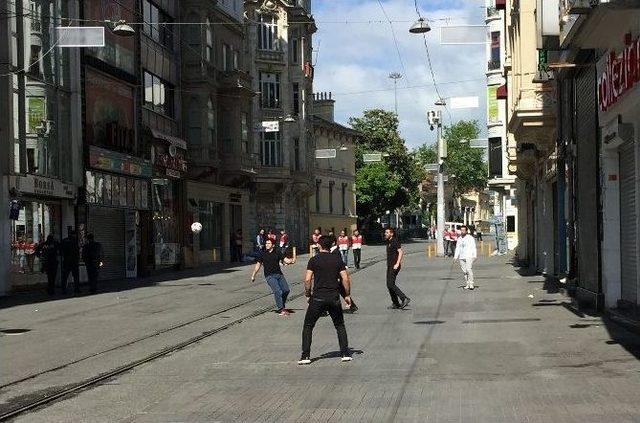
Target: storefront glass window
{"points": [[35, 222], [210, 215], [164, 211]]}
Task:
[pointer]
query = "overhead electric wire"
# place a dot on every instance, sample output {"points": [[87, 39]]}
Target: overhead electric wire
{"points": [[395, 42]]}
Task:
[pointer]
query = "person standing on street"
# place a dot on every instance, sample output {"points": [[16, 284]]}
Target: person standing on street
{"points": [[315, 239], [453, 234], [70, 261], [343, 246], [446, 235], [284, 241], [394, 263], [92, 257], [327, 271], [336, 251], [48, 252], [356, 247], [466, 253], [271, 259]]}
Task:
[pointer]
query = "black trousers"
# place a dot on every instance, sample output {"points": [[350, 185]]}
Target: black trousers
{"points": [[70, 268], [93, 272], [52, 275], [357, 255], [317, 306], [394, 292]]}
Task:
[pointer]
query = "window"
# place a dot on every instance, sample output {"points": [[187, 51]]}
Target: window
{"points": [[268, 33], [344, 198], [296, 99], [208, 53], [244, 122], [495, 157], [158, 96], [225, 57], [511, 223], [270, 88], [296, 154], [236, 60], [195, 129], [154, 20], [270, 149], [295, 49], [318, 184], [331, 184], [211, 125], [495, 47], [229, 58]]}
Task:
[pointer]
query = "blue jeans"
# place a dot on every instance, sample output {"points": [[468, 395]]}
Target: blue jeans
{"points": [[345, 256], [280, 289]]}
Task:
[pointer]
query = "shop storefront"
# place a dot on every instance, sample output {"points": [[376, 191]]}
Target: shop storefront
{"points": [[117, 194], [39, 207], [618, 103], [168, 155], [223, 213]]}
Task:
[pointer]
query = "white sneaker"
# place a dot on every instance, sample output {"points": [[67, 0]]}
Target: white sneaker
{"points": [[346, 358], [304, 360]]}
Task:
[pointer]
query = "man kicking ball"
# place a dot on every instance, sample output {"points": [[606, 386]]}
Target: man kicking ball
{"points": [[327, 272], [271, 258]]}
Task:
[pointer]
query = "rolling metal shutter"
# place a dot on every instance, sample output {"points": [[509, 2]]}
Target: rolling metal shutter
{"points": [[107, 226], [628, 229]]}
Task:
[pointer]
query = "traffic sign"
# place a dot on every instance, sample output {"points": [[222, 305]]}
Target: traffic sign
{"points": [[327, 153]]}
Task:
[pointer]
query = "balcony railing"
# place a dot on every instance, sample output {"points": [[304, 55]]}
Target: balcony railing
{"points": [[271, 55], [492, 12], [493, 65]]}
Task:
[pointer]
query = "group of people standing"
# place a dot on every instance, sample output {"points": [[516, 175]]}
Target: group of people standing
{"points": [[68, 251], [326, 280], [344, 243]]}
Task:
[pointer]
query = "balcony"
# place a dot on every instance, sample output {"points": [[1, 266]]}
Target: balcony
{"points": [[534, 117], [588, 24], [493, 65], [492, 13], [272, 56]]}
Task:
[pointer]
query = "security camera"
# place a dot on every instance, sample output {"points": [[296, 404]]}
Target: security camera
{"points": [[431, 127]]}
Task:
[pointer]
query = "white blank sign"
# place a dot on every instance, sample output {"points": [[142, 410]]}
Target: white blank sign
{"points": [[463, 34], [80, 36], [464, 102], [327, 153], [372, 157]]}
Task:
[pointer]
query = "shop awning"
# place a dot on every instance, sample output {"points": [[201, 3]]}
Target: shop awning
{"points": [[501, 4], [501, 92], [178, 142]]}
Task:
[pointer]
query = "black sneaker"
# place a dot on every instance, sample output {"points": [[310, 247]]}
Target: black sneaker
{"points": [[393, 307], [304, 360], [353, 308], [405, 302]]}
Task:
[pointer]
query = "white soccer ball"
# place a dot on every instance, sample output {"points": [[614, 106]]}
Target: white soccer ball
{"points": [[196, 227]]}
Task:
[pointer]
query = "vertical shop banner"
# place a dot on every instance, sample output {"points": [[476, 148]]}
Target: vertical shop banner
{"points": [[131, 251], [36, 113], [492, 105]]}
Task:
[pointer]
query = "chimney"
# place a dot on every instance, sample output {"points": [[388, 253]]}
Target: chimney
{"points": [[323, 106]]}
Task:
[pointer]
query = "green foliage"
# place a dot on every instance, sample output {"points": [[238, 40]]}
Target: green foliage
{"points": [[427, 154], [464, 162], [393, 183]]}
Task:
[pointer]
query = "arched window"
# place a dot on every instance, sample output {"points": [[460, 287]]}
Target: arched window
{"points": [[208, 53]]}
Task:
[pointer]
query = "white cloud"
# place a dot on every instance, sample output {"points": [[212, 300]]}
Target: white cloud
{"points": [[356, 57]]}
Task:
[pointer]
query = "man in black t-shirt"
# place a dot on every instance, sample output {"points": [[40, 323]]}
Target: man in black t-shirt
{"points": [[334, 250], [394, 263], [327, 272], [271, 258]]}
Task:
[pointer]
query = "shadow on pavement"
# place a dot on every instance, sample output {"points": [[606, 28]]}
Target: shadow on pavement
{"points": [[336, 354], [109, 286], [429, 322]]}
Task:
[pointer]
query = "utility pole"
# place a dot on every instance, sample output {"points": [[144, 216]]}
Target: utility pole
{"points": [[435, 122], [395, 76]]}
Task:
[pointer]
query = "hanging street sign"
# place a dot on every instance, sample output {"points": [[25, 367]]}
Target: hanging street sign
{"points": [[80, 36], [432, 167], [372, 157]]}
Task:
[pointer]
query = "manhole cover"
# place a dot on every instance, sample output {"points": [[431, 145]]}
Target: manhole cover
{"points": [[14, 331]]}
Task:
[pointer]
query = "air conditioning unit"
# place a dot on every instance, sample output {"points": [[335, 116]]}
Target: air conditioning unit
{"points": [[617, 133]]}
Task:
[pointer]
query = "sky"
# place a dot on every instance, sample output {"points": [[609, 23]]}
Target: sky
{"points": [[353, 57]]}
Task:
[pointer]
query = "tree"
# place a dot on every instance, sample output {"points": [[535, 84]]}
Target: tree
{"points": [[393, 183], [465, 165]]}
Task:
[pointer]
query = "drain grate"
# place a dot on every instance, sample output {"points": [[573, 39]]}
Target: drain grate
{"points": [[14, 331], [529, 319]]}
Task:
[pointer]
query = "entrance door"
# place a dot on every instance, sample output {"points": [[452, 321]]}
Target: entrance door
{"points": [[107, 226], [628, 230]]}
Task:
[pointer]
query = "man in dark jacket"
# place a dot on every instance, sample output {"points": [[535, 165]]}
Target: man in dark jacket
{"points": [[70, 252], [92, 257], [48, 253]]}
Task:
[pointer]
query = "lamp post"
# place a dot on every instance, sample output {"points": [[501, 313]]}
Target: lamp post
{"points": [[395, 76], [435, 122]]}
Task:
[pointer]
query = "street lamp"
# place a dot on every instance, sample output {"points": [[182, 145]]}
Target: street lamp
{"points": [[395, 76], [122, 29], [434, 118], [420, 27]]}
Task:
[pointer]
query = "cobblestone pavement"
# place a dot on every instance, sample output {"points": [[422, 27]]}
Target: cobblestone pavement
{"points": [[513, 350]]}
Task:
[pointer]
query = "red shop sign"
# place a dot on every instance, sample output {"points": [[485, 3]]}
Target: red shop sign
{"points": [[621, 73]]}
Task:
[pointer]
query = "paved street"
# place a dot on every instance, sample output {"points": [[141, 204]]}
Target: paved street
{"points": [[492, 355]]}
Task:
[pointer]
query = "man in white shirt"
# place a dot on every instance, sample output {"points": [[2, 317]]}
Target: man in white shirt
{"points": [[466, 253]]}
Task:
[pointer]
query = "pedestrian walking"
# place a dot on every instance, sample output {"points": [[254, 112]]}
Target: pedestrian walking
{"points": [[325, 274], [356, 247], [446, 234], [453, 235], [92, 257], [394, 264], [343, 246], [284, 241], [236, 246], [260, 239], [272, 236], [466, 253], [315, 239], [70, 252], [48, 253], [271, 260]]}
